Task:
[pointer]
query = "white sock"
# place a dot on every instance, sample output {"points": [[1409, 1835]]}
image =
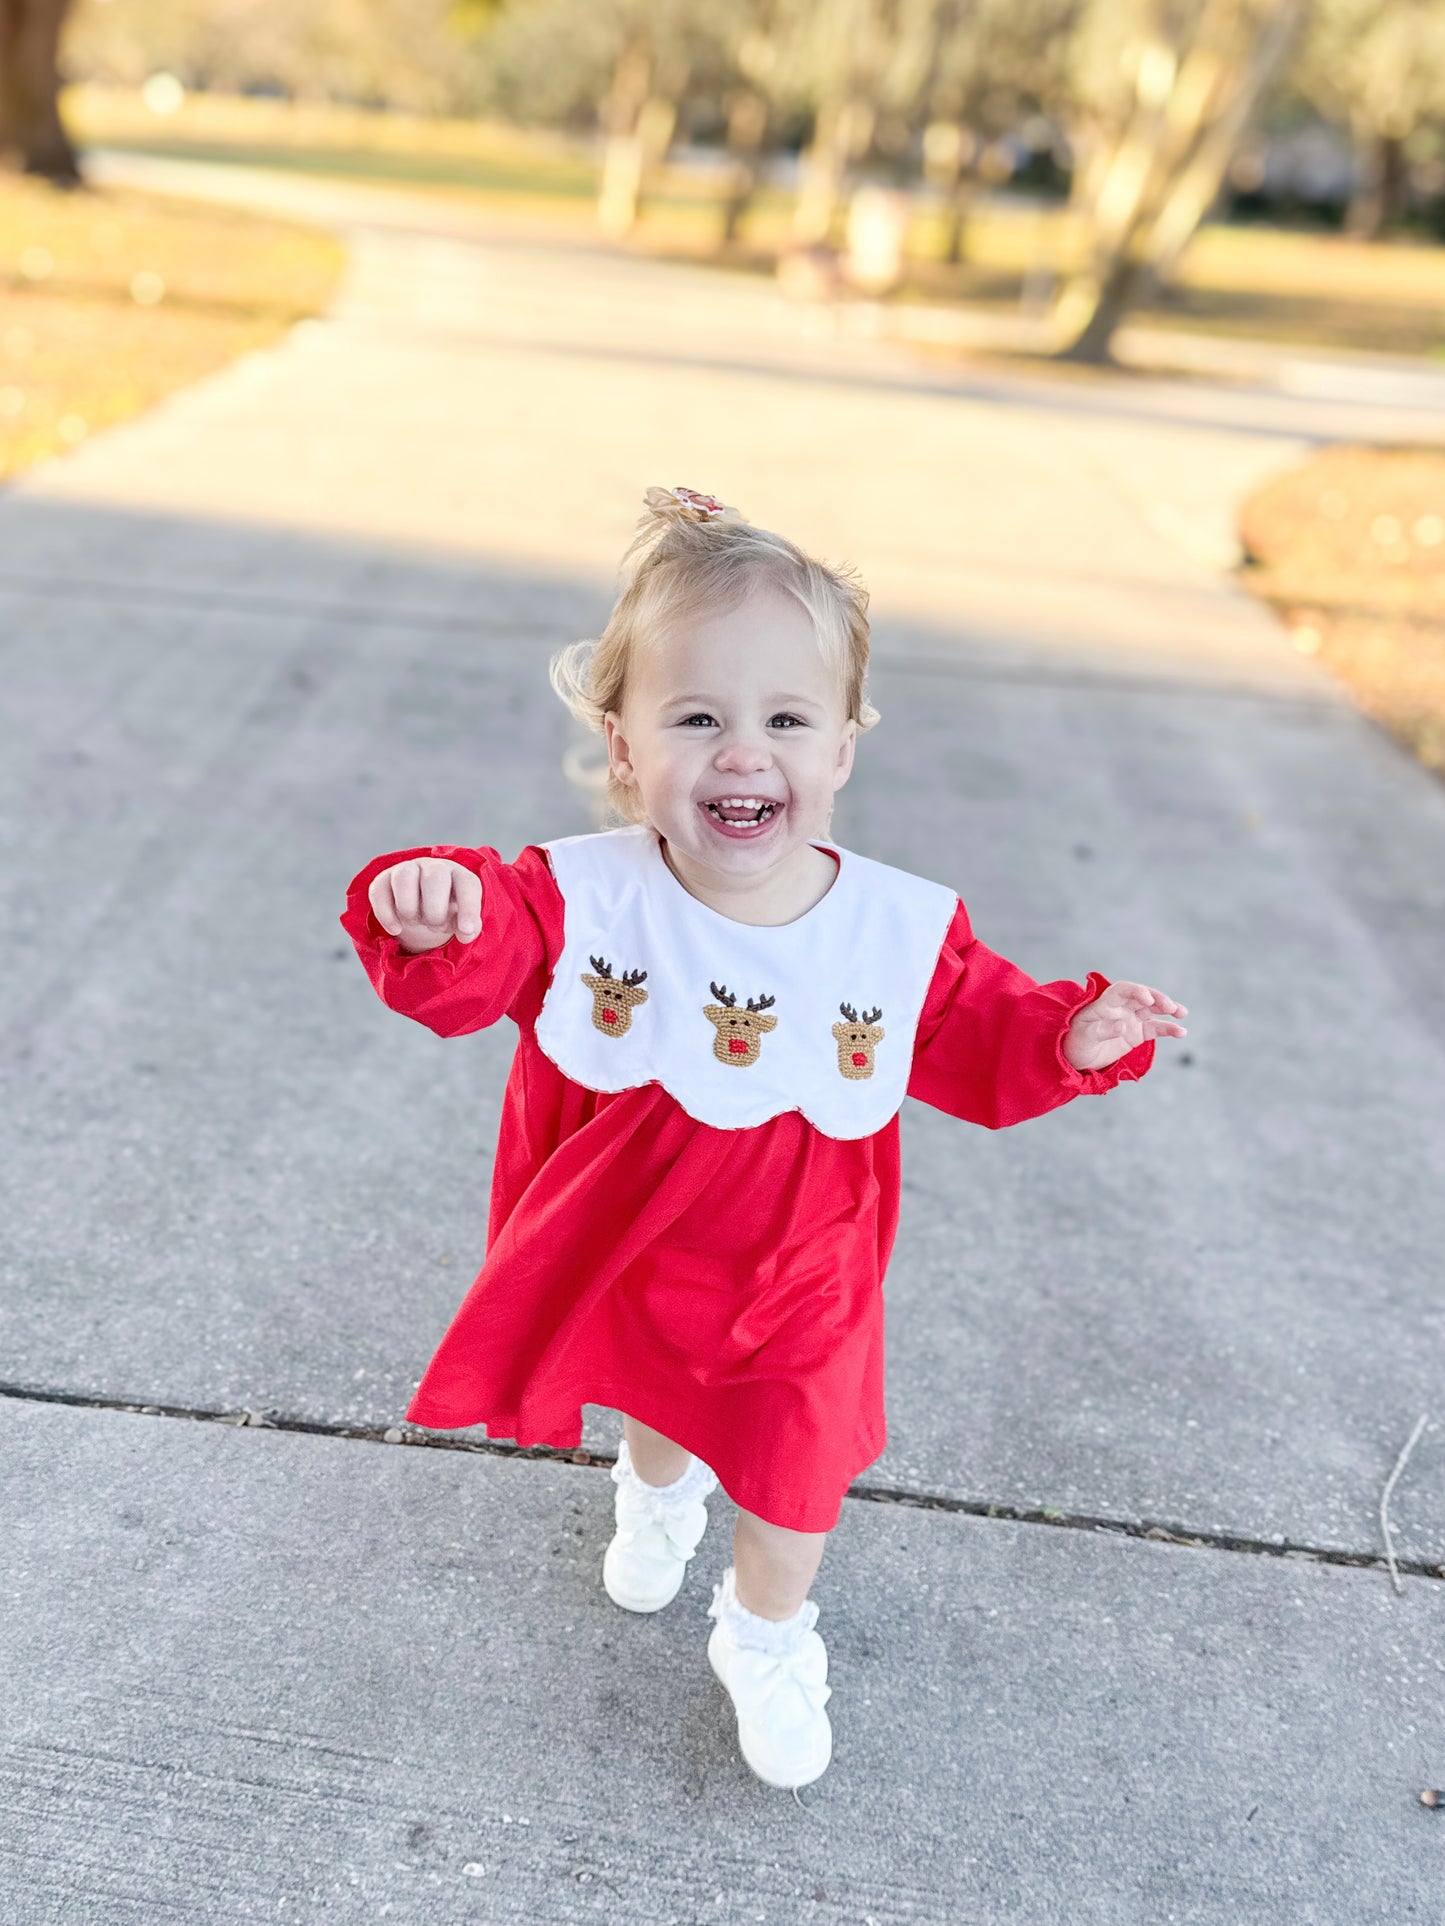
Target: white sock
{"points": [[776, 1636], [696, 1482]]}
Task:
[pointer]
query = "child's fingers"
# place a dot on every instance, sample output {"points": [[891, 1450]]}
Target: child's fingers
{"points": [[467, 901], [1142, 996], [383, 903], [1126, 997], [1135, 1026], [405, 880], [1156, 1000], [436, 892]]}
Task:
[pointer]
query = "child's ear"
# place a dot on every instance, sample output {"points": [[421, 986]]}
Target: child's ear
{"points": [[618, 758], [844, 766]]}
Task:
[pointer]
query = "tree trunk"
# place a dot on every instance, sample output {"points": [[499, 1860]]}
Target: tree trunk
{"points": [[1111, 299], [1164, 169], [1375, 206], [948, 147], [1195, 192], [30, 123], [960, 206], [747, 125], [629, 160], [842, 132], [820, 181], [622, 157]]}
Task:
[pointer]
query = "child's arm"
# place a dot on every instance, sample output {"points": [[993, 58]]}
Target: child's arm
{"points": [[990, 1043], [407, 915]]}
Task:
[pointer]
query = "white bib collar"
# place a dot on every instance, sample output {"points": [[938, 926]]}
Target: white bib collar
{"points": [[740, 1022]]}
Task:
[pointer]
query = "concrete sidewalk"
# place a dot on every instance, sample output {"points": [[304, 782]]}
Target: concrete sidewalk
{"points": [[301, 614], [276, 1677]]}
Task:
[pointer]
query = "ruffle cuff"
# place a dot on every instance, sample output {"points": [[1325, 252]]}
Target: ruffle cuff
{"points": [[1129, 1068]]}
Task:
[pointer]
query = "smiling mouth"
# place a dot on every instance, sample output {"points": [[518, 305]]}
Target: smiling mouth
{"points": [[740, 813]]}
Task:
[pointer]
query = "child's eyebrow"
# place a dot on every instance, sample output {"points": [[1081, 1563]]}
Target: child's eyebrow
{"points": [[715, 702]]}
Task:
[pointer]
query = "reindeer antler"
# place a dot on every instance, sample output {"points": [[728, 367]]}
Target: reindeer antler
{"points": [[723, 997], [872, 1016], [602, 969], [762, 1002], [849, 1012], [629, 977]]}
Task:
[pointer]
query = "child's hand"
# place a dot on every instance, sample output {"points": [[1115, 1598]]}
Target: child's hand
{"points": [[1111, 1026], [427, 900]]}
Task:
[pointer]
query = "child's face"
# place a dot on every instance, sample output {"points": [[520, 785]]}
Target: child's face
{"points": [[738, 706]]}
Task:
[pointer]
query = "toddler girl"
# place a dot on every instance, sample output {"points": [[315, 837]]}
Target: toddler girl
{"points": [[719, 1014]]}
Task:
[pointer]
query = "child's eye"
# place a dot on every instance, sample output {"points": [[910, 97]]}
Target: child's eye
{"points": [[702, 716]]}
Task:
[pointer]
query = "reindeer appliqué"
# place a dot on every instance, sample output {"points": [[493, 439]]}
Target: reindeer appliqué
{"points": [[614, 998], [739, 1032], [856, 1040]]}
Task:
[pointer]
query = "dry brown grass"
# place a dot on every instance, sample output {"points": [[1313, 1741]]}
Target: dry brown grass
{"points": [[1350, 548], [110, 300]]}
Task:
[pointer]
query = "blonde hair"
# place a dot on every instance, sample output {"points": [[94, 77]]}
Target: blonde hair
{"points": [[691, 553]]}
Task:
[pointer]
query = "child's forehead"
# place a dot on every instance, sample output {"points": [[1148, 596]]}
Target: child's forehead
{"points": [[757, 638]]}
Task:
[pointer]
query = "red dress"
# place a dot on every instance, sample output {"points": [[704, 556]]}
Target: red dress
{"points": [[722, 1286]]}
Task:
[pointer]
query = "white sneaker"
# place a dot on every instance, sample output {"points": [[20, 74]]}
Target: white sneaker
{"points": [[776, 1675], [659, 1528]]}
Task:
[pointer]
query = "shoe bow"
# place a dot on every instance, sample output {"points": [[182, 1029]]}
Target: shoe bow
{"points": [[803, 1672], [682, 1526]]}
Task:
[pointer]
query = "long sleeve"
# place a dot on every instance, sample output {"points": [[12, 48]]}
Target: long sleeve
{"points": [[460, 987], [989, 1042]]}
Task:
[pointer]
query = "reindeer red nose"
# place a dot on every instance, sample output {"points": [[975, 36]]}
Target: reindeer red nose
{"points": [[609, 1016], [738, 1046], [859, 1058]]}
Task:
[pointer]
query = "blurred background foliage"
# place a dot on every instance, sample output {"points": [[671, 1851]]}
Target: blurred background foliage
{"points": [[423, 56], [880, 131]]}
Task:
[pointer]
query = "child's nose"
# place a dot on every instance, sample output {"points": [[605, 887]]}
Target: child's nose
{"points": [[743, 754]]}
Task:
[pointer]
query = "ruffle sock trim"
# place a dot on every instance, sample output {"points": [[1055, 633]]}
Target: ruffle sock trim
{"points": [[775, 1636], [695, 1483]]}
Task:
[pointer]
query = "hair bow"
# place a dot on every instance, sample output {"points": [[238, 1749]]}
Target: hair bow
{"points": [[689, 506]]}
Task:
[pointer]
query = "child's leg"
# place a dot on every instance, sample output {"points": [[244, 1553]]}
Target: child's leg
{"points": [[767, 1654], [655, 1459], [774, 1567], [660, 1516]]}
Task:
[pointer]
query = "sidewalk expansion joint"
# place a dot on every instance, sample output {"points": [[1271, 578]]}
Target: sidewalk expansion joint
{"points": [[271, 1419]]}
